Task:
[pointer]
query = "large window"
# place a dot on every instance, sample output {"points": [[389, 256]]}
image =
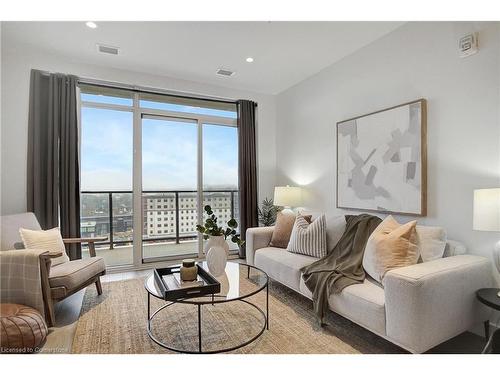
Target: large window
{"points": [[149, 163]]}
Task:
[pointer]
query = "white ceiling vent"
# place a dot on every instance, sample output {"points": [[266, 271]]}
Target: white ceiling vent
{"points": [[108, 49], [224, 72]]}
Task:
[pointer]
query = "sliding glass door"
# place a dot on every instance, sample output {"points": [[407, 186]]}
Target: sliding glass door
{"points": [[169, 186]]}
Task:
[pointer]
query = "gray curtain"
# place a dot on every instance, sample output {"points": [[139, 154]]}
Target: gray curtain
{"points": [[53, 190], [247, 170]]}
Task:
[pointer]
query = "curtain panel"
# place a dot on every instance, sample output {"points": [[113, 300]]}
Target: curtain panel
{"points": [[247, 160], [53, 185]]}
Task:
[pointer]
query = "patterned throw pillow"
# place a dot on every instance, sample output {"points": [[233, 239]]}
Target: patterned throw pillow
{"points": [[308, 238]]}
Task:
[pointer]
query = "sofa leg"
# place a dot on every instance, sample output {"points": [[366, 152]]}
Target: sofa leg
{"points": [[98, 286]]}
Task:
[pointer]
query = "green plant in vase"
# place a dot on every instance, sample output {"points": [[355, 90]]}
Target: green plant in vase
{"points": [[216, 234]]}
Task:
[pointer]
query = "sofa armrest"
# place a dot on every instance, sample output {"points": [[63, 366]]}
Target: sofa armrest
{"points": [[429, 303], [256, 238]]}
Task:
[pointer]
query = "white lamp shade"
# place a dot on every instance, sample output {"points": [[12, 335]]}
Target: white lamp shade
{"points": [[486, 209], [287, 196]]}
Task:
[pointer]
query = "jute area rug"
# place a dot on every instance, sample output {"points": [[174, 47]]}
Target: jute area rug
{"points": [[115, 322]]}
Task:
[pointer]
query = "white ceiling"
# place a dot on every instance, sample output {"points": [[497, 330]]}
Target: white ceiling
{"points": [[285, 53]]}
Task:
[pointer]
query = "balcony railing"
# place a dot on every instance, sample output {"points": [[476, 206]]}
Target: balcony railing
{"points": [[108, 211]]}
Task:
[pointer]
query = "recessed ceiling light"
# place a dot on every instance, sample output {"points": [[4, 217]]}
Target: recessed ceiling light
{"points": [[91, 24], [249, 59]]}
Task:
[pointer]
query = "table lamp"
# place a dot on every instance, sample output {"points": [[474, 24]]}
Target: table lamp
{"points": [[287, 196], [486, 216]]}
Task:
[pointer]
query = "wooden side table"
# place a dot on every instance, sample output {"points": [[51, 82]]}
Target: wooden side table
{"points": [[490, 298]]}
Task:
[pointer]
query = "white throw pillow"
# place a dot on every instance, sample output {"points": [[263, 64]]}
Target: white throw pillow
{"points": [[431, 242], [308, 239], [453, 248], [50, 240]]}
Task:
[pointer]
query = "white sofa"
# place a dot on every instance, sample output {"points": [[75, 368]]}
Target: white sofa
{"points": [[419, 306]]}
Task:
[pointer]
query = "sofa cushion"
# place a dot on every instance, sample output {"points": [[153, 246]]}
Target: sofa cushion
{"points": [[308, 238], [364, 304], [431, 242], [390, 246], [453, 248], [282, 265], [283, 228], [335, 226], [72, 275]]}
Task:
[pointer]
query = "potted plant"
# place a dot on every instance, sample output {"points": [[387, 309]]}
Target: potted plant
{"points": [[268, 212], [216, 234]]}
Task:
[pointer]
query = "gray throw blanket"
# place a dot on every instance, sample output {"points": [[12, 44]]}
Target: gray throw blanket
{"points": [[342, 266]]}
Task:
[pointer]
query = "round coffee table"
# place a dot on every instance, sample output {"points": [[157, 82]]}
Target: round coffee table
{"points": [[237, 287]]}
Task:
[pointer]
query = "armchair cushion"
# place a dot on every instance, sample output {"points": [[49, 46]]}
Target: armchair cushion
{"points": [[72, 275], [50, 240]]}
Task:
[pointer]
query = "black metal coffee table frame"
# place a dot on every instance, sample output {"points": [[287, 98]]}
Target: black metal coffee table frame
{"points": [[213, 301], [488, 297]]}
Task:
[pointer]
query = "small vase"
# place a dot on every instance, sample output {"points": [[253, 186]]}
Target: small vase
{"points": [[216, 260], [216, 241]]}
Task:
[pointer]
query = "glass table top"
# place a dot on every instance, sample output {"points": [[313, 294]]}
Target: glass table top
{"points": [[234, 284]]}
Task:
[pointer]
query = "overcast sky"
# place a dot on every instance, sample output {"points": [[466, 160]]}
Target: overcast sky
{"points": [[169, 153]]}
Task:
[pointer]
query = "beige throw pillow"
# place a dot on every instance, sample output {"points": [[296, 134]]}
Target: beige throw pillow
{"points": [[431, 242], [50, 240], [390, 246], [283, 228]]}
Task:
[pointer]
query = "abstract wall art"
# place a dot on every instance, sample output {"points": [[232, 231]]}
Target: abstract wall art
{"points": [[382, 161]]}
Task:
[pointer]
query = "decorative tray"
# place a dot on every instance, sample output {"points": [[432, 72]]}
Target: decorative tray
{"points": [[168, 281]]}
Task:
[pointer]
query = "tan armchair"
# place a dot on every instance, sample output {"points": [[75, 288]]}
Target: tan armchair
{"points": [[57, 282]]}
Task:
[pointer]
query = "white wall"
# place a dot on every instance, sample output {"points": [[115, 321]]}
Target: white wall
{"points": [[418, 60], [17, 61]]}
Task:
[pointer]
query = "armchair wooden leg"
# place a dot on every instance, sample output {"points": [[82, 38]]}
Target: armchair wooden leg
{"points": [[49, 312], [50, 317], [98, 286]]}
